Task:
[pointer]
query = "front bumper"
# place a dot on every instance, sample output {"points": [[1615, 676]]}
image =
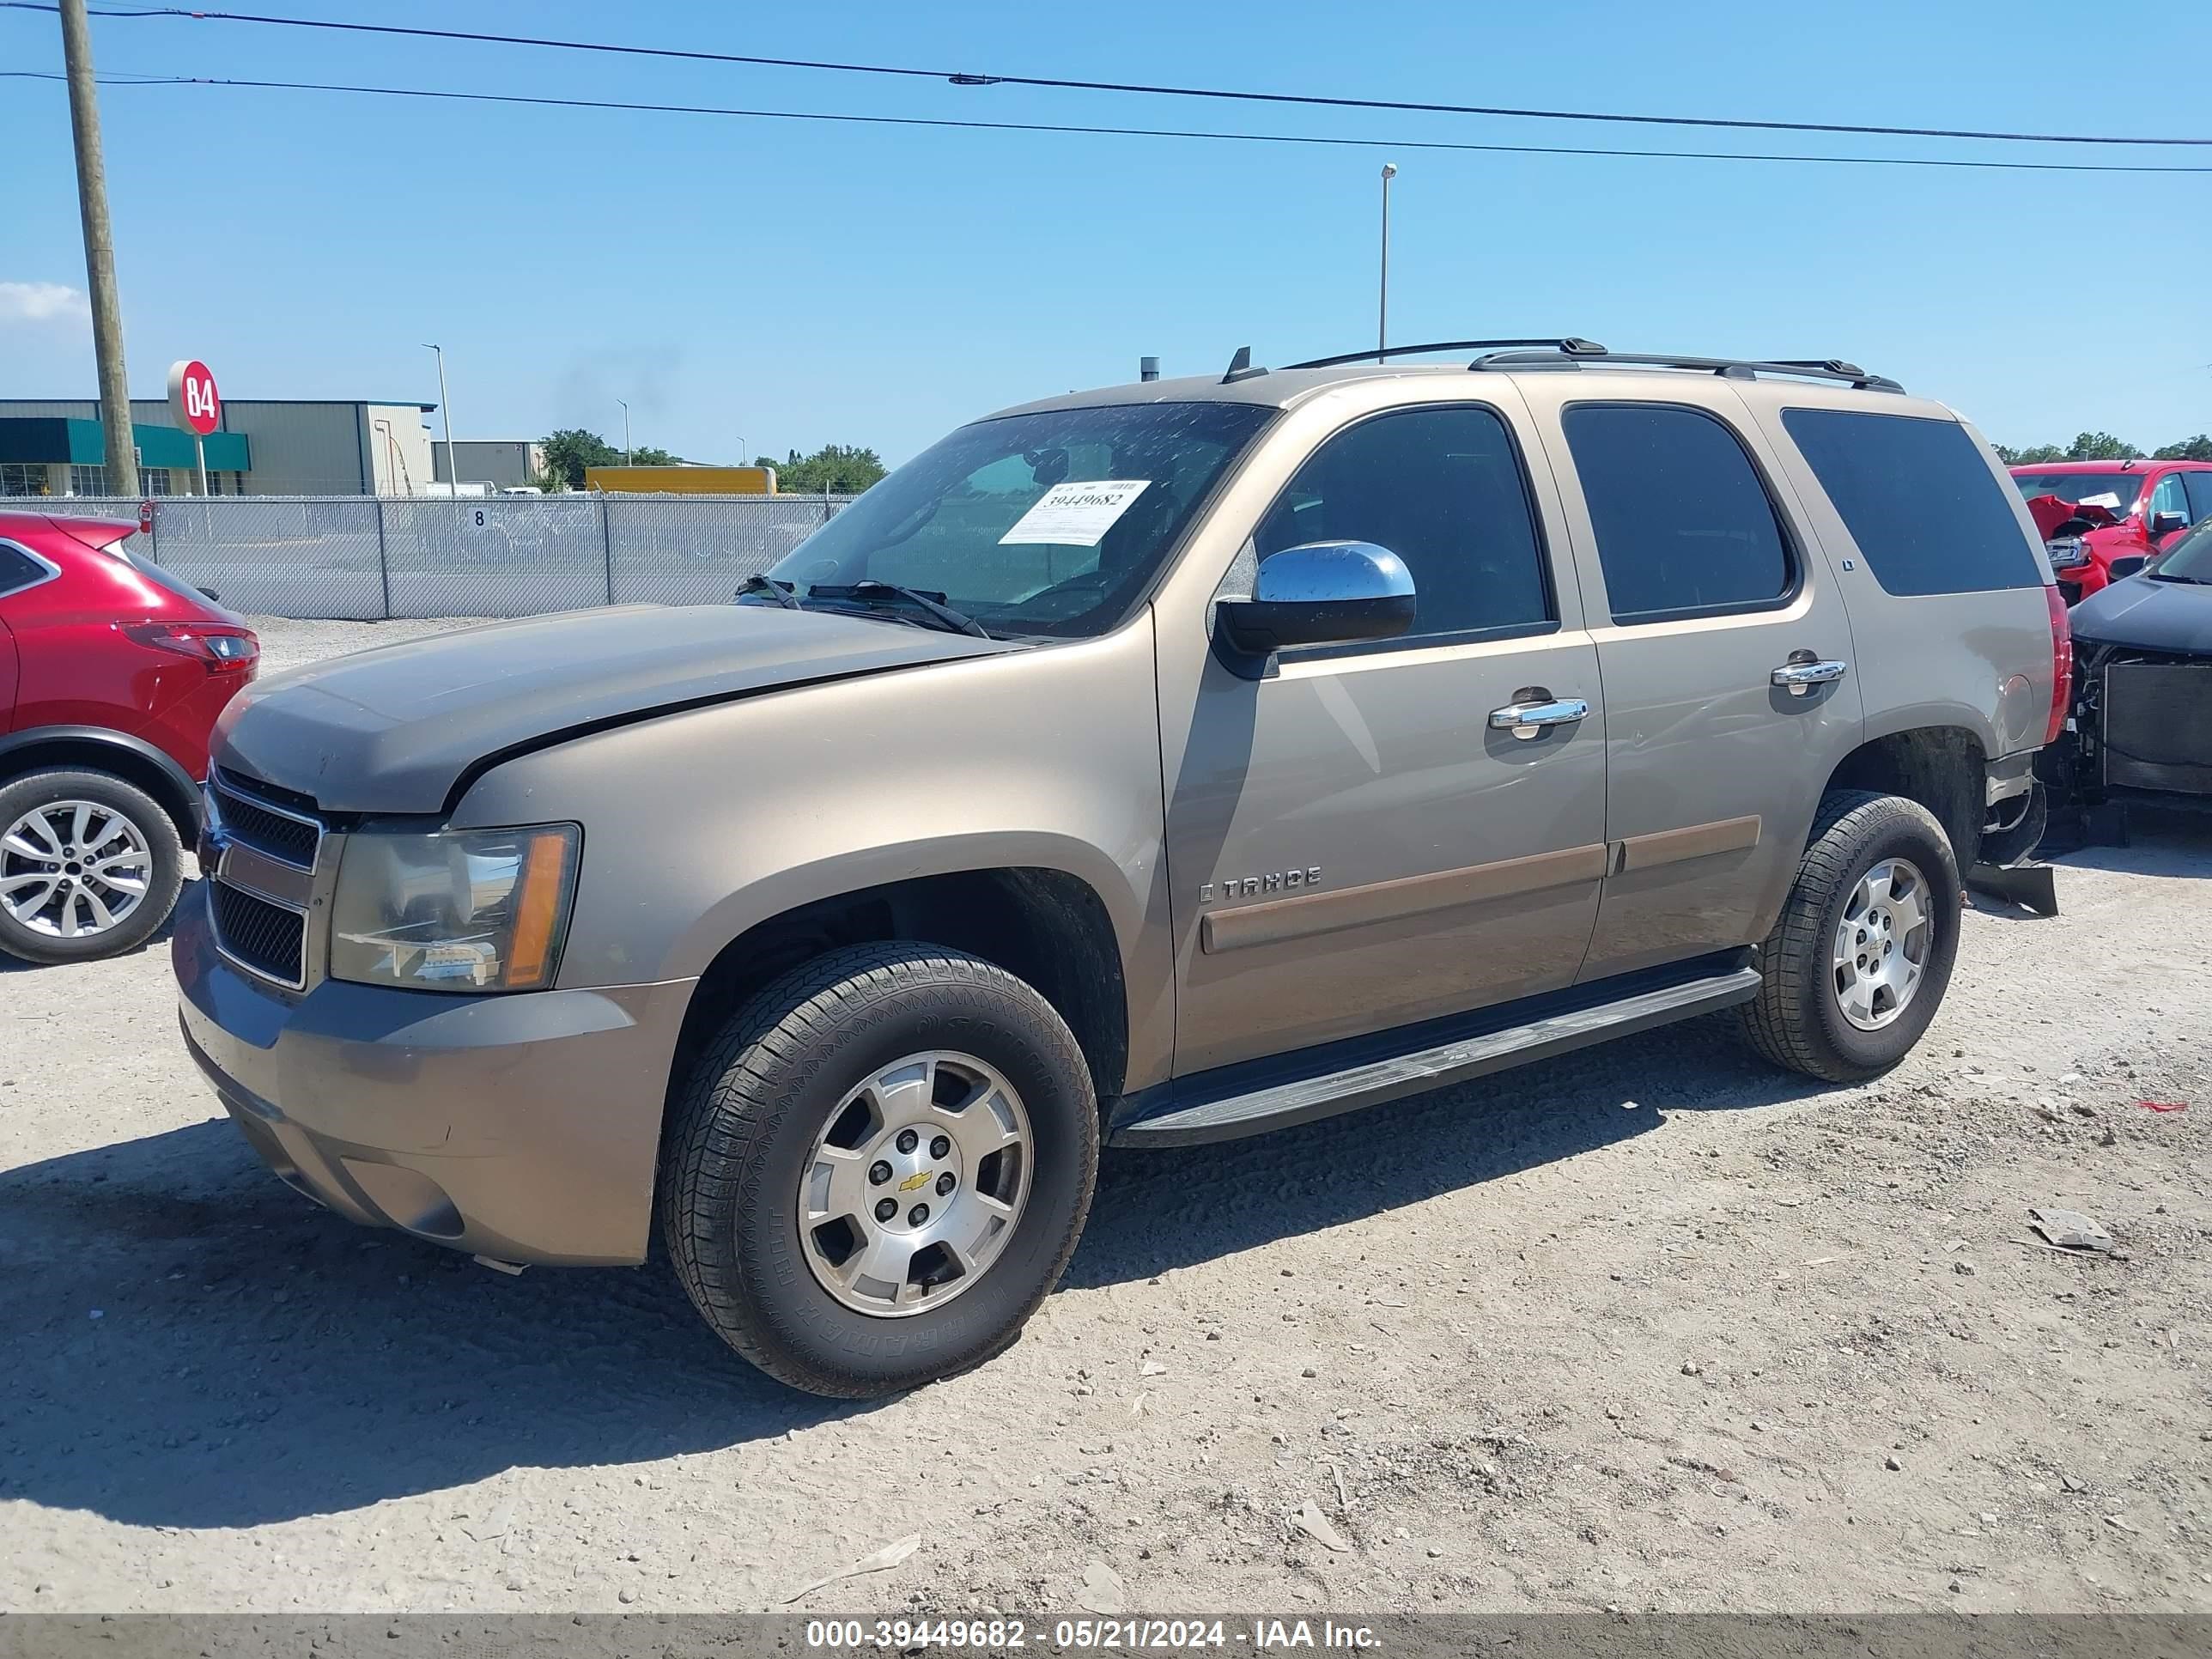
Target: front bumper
{"points": [[523, 1126]]}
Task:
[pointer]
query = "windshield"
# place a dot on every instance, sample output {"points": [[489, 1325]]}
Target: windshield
{"points": [[2190, 556], [2115, 492], [1047, 524]]}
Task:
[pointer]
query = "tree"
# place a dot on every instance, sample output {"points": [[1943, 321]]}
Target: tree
{"points": [[2100, 447], [2198, 448], [2030, 456], [649, 456], [572, 449], [840, 469]]}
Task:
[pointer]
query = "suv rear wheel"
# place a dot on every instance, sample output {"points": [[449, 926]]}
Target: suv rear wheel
{"points": [[879, 1168], [89, 866], [1857, 962]]}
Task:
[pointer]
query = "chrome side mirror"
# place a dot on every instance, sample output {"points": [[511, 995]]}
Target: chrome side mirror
{"points": [[1321, 594]]}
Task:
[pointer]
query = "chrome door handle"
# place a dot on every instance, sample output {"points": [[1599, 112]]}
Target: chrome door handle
{"points": [[1802, 673], [1527, 719]]}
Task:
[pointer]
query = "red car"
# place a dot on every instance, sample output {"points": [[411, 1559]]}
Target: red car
{"points": [[2130, 509], [111, 674]]}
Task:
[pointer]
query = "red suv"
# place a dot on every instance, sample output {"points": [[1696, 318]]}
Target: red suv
{"points": [[111, 674], [2125, 510]]}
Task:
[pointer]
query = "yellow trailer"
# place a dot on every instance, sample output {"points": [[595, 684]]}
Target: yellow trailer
{"points": [[681, 480]]}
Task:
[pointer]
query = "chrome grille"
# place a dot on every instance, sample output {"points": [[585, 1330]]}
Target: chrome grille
{"points": [[252, 820], [260, 935]]}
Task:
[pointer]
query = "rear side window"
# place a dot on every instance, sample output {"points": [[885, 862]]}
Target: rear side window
{"points": [[1918, 499], [2199, 488], [1684, 525], [18, 568]]}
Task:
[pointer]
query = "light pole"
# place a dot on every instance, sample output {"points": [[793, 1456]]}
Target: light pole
{"points": [[626, 448], [1382, 298], [445, 404]]}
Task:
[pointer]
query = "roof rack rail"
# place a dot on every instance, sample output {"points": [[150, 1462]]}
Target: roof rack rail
{"points": [[1733, 368], [1567, 344]]}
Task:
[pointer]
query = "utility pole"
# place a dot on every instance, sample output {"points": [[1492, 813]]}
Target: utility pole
{"points": [[99, 252], [626, 448]]}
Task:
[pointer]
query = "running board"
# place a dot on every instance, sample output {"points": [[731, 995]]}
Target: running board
{"points": [[1373, 1082]]}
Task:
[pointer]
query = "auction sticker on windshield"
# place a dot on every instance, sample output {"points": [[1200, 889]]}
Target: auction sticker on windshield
{"points": [[1076, 514]]}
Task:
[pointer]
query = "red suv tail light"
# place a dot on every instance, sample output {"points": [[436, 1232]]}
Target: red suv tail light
{"points": [[2062, 666], [223, 649]]}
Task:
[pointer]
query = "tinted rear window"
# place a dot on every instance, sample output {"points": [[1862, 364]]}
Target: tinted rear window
{"points": [[1919, 499], [1684, 526]]}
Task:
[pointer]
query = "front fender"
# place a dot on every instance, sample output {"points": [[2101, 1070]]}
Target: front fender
{"points": [[700, 826]]}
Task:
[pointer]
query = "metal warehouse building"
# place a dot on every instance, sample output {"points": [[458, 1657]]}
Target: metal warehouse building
{"points": [[265, 447]]}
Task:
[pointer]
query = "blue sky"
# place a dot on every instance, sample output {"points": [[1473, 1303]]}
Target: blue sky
{"points": [[784, 284]]}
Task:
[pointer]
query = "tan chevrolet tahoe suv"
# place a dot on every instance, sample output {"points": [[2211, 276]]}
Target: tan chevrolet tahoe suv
{"points": [[1146, 766]]}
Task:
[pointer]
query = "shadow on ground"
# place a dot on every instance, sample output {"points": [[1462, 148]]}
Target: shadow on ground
{"points": [[2161, 841], [196, 1345]]}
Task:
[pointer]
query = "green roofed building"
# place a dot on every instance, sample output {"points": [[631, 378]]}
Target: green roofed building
{"points": [[265, 446]]}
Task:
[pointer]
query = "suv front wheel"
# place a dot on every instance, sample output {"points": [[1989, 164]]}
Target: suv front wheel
{"points": [[879, 1169], [1857, 964]]}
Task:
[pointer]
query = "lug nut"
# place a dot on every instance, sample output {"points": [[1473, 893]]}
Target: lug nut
{"points": [[946, 1183], [907, 1140], [886, 1208], [917, 1215], [879, 1173], [940, 1147]]}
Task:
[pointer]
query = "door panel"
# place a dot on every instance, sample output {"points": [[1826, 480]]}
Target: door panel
{"points": [[1365, 851], [1714, 771], [1351, 845], [7, 677]]}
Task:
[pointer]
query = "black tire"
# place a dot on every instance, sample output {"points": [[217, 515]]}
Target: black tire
{"points": [[745, 1122], [1797, 1020], [153, 826]]}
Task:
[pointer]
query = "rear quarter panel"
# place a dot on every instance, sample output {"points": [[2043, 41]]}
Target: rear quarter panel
{"points": [[699, 825], [76, 666], [1979, 661]]}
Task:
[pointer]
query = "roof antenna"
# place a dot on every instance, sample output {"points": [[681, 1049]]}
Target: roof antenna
{"points": [[1240, 367]]}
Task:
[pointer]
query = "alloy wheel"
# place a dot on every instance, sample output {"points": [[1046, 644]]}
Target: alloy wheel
{"points": [[915, 1185], [73, 869], [1881, 944]]}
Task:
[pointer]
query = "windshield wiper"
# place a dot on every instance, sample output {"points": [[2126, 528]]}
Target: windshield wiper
{"points": [[940, 614], [761, 585], [2176, 576]]}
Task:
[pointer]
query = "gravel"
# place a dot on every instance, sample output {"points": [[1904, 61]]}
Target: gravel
{"points": [[1450, 1331]]}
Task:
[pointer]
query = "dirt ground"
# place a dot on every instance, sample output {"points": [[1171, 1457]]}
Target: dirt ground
{"points": [[1652, 1326]]}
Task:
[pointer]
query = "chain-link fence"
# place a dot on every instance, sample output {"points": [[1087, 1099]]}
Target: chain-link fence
{"points": [[369, 557]]}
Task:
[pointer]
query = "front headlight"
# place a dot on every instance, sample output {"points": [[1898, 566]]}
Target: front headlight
{"points": [[459, 910]]}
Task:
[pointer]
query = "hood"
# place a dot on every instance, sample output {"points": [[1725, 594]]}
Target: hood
{"points": [[2155, 616], [2054, 515], [394, 729]]}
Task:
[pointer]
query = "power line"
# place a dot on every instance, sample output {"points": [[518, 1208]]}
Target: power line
{"points": [[966, 78], [1124, 132]]}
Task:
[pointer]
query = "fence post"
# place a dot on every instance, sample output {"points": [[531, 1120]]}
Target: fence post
{"points": [[384, 565], [607, 549]]}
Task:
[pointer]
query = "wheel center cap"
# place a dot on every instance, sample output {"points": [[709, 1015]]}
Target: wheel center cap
{"points": [[922, 1182]]}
